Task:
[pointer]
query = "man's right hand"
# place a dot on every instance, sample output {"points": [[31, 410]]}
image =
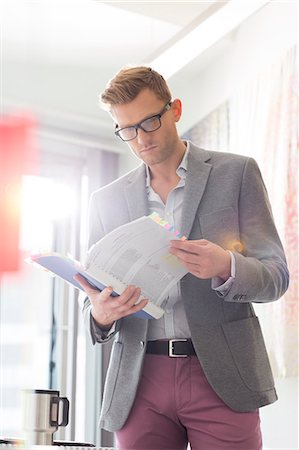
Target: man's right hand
{"points": [[106, 309]]}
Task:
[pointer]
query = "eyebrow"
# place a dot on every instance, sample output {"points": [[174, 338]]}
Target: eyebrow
{"points": [[137, 123]]}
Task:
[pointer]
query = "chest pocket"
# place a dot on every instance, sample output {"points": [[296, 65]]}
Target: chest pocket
{"points": [[221, 227]]}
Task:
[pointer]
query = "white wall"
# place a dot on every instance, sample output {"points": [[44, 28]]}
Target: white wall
{"points": [[261, 40], [280, 421]]}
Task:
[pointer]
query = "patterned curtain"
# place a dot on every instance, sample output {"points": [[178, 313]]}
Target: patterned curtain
{"points": [[260, 120], [213, 131]]}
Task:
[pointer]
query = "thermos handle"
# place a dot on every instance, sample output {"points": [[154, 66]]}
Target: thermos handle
{"points": [[65, 411]]}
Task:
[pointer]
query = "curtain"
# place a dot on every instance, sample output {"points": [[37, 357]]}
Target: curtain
{"points": [[213, 131], [260, 120]]}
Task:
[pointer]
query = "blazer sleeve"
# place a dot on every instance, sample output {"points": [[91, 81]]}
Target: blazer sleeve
{"points": [[261, 269], [95, 232], [95, 227]]}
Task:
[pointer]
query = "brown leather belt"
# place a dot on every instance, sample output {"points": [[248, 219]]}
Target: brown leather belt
{"points": [[175, 348]]}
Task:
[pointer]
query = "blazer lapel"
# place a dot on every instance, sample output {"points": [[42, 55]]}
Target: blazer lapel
{"points": [[198, 171], [135, 194]]}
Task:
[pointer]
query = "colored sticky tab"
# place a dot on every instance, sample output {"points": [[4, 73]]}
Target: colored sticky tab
{"points": [[156, 218]]}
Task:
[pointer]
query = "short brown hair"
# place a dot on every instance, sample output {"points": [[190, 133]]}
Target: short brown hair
{"points": [[129, 82]]}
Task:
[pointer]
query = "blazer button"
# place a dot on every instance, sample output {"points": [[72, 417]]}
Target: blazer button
{"points": [[141, 343]]}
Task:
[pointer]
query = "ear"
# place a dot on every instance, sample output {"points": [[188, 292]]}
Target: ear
{"points": [[176, 107]]}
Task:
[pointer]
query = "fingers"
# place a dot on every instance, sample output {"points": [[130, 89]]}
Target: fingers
{"points": [[184, 256], [106, 308], [127, 299], [188, 252], [202, 258], [130, 294], [135, 308], [84, 283], [106, 293], [114, 308], [194, 246]]}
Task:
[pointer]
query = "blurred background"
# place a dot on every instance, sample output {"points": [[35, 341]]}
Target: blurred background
{"points": [[234, 66]]}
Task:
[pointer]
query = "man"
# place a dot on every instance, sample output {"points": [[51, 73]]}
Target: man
{"points": [[200, 373]]}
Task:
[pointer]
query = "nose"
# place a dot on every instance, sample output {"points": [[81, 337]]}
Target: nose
{"points": [[142, 136]]}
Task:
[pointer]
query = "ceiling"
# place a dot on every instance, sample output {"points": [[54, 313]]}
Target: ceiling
{"points": [[91, 32], [51, 40], [175, 12]]}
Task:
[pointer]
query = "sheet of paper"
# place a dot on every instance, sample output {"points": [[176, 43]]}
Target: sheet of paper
{"points": [[137, 253]]}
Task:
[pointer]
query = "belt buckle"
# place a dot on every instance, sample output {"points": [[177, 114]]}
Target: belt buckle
{"points": [[171, 349]]}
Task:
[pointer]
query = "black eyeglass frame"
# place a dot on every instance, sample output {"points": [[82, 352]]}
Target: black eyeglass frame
{"points": [[139, 125]]}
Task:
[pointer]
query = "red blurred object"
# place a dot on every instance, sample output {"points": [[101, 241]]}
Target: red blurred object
{"points": [[17, 156]]}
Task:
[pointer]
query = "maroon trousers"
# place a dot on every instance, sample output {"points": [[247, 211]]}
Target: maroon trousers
{"points": [[175, 405]]}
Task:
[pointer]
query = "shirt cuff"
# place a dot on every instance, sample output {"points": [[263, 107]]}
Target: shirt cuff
{"points": [[217, 283], [100, 334]]}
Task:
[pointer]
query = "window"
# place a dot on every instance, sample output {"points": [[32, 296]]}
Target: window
{"points": [[43, 342]]}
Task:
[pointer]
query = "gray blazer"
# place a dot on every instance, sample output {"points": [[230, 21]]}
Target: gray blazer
{"points": [[224, 200]]}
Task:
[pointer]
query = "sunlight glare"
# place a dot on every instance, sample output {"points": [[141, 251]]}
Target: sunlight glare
{"points": [[44, 201]]}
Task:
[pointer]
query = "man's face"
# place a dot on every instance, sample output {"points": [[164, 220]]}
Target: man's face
{"points": [[157, 146]]}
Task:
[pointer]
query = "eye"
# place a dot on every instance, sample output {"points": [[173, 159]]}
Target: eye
{"points": [[150, 123], [150, 120]]}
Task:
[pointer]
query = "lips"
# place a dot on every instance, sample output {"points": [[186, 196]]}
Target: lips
{"points": [[147, 149]]}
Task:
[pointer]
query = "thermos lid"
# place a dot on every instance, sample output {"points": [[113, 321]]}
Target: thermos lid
{"points": [[42, 391]]}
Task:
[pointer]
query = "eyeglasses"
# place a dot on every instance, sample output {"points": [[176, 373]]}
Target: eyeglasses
{"points": [[148, 125]]}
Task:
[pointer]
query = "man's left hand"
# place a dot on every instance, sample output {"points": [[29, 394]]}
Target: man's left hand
{"points": [[203, 258]]}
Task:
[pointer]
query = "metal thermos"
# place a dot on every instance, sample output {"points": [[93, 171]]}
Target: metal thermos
{"points": [[41, 413]]}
